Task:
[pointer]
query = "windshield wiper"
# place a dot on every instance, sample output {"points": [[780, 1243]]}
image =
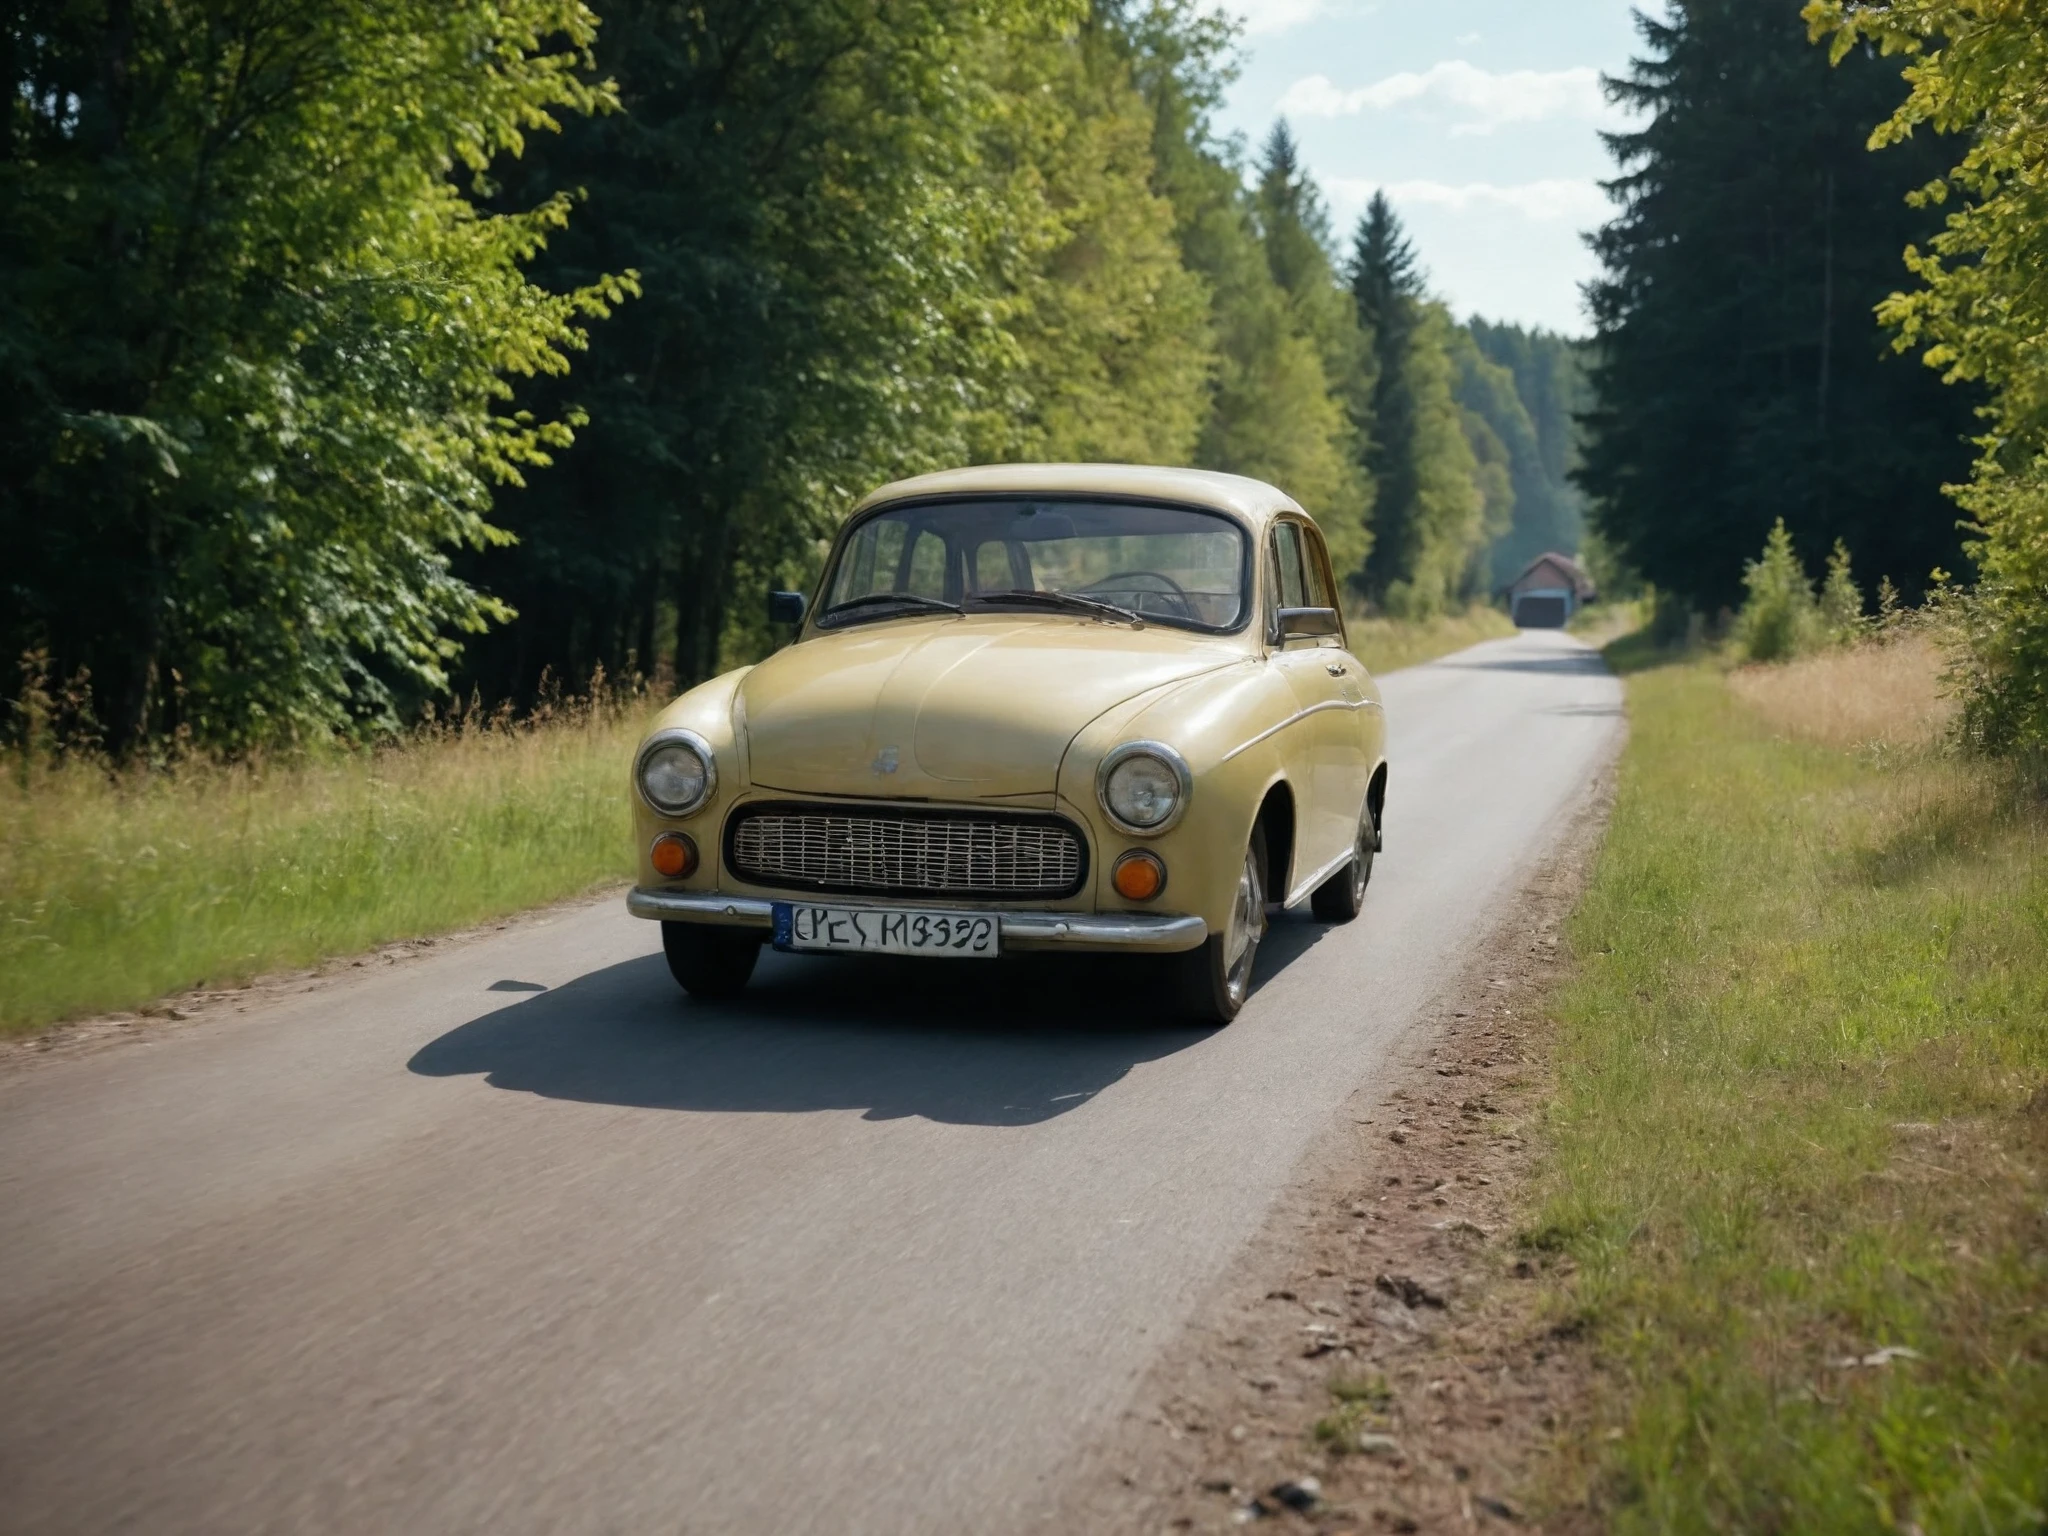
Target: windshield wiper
{"points": [[907, 599], [1068, 600]]}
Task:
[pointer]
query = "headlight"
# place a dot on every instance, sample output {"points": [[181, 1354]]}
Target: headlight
{"points": [[676, 772], [1144, 785]]}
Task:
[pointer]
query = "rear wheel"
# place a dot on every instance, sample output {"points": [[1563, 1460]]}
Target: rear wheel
{"points": [[1215, 979], [709, 962], [1339, 898]]}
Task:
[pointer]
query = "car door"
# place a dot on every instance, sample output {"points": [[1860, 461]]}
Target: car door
{"points": [[1317, 669], [1344, 742]]}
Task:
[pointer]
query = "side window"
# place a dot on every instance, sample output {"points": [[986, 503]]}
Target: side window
{"points": [[1287, 563], [1317, 561]]}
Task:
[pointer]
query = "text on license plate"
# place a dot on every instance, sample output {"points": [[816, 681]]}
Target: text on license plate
{"points": [[968, 935]]}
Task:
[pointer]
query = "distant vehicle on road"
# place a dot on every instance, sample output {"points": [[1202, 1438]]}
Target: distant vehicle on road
{"points": [[1066, 707]]}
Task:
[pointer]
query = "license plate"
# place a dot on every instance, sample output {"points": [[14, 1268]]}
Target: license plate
{"points": [[866, 930]]}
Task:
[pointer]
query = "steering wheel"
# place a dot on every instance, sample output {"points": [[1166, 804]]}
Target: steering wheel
{"points": [[1128, 581]]}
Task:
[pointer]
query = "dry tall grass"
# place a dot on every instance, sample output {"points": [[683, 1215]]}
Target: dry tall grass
{"points": [[117, 888], [1882, 694]]}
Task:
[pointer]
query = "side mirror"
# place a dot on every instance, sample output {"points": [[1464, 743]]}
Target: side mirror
{"points": [[1306, 623], [787, 607]]}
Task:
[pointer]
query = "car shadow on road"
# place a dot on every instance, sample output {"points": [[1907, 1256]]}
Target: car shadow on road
{"points": [[1016, 1042]]}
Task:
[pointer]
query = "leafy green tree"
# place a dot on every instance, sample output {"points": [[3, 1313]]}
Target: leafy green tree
{"points": [[1274, 411], [832, 266], [1503, 443], [1738, 373], [1448, 523], [1294, 228], [1548, 373], [256, 328], [1975, 68], [1116, 333]]}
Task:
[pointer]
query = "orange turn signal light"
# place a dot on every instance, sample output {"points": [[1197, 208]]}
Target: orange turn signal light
{"points": [[673, 856], [1138, 875]]}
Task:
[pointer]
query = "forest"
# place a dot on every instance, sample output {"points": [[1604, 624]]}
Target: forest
{"points": [[371, 353], [359, 357]]}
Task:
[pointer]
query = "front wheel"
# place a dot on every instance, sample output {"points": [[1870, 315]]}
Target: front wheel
{"points": [[709, 962], [1215, 979], [1339, 898]]}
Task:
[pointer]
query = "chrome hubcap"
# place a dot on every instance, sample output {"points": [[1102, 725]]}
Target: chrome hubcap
{"points": [[1247, 927]]}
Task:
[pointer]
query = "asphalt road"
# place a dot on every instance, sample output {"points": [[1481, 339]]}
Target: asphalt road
{"points": [[516, 1240]]}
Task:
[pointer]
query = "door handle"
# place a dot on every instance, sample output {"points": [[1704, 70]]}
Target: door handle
{"points": [[1335, 669]]}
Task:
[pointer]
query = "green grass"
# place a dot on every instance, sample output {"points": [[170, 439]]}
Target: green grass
{"points": [[1801, 1117], [1387, 645], [118, 890]]}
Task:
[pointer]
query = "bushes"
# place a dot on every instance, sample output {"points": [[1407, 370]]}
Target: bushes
{"points": [[1782, 617]]}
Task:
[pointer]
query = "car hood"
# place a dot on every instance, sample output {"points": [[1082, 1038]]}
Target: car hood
{"points": [[950, 708]]}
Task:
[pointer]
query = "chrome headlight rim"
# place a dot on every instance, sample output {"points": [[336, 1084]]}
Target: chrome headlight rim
{"points": [[676, 736], [1177, 764]]}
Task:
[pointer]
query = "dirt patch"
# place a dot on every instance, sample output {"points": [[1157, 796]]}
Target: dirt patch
{"points": [[1384, 1356], [109, 1030]]}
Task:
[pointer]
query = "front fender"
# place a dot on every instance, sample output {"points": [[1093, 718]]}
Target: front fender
{"points": [[711, 709], [1215, 722]]}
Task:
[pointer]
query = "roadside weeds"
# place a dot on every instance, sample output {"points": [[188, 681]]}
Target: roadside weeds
{"points": [[1388, 645], [132, 888]]}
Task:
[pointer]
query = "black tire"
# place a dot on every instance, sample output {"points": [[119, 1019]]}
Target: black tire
{"points": [[1213, 981], [709, 962], [1340, 898]]}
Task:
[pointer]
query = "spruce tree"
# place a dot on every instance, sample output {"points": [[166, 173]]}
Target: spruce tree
{"points": [[1430, 517], [1387, 287], [1740, 374]]}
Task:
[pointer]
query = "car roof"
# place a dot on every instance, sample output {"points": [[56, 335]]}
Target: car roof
{"points": [[1253, 500]]}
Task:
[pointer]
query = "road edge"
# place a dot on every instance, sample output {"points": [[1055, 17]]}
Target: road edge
{"points": [[1389, 1260]]}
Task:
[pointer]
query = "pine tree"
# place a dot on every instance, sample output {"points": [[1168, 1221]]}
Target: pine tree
{"points": [[1386, 286], [1430, 510], [1740, 375], [1841, 600], [1779, 618]]}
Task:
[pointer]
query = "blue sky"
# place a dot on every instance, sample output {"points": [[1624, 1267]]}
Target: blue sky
{"points": [[1479, 118]]}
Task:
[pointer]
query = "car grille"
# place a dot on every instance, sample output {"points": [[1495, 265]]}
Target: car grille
{"points": [[905, 853]]}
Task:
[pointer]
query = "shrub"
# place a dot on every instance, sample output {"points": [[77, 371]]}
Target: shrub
{"points": [[1841, 600], [1780, 618]]}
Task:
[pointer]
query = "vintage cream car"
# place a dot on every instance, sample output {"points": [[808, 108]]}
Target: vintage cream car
{"points": [[1035, 707]]}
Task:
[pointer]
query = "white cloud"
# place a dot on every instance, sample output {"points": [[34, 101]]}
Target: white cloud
{"points": [[1545, 202], [1486, 100], [1265, 17]]}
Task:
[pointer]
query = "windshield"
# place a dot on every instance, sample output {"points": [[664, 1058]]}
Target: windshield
{"points": [[1172, 565]]}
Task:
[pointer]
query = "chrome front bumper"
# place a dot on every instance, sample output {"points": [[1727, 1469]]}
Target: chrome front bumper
{"points": [[1142, 931]]}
